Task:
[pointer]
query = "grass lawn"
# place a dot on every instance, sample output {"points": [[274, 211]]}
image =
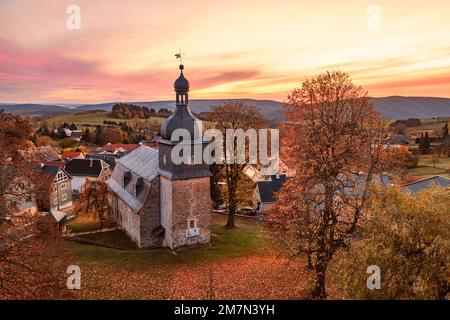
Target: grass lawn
{"points": [[425, 171], [248, 238], [239, 263], [83, 223]]}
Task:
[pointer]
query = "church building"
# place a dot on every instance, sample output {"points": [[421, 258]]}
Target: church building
{"points": [[160, 203]]}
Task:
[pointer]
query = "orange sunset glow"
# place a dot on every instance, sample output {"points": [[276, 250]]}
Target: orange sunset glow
{"points": [[124, 51]]}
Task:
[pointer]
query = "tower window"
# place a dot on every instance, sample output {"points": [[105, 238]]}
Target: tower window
{"points": [[192, 223]]}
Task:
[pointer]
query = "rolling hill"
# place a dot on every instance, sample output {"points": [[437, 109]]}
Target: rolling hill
{"points": [[395, 107]]}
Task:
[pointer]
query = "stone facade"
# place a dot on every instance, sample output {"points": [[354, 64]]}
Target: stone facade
{"points": [[186, 205], [174, 208], [135, 197]]}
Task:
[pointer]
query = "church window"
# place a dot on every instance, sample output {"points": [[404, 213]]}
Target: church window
{"points": [[138, 187], [192, 223], [126, 178]]}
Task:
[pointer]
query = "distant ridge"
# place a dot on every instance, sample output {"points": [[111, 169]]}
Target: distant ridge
{"points": [[395, 107]]}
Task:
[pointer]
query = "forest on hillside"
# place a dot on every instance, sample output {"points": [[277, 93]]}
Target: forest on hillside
{"points": [[130, 111]]}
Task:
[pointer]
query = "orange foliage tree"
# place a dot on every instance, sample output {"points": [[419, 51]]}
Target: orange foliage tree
{"points": [[94, 200], [31, 260], [334, 139]]}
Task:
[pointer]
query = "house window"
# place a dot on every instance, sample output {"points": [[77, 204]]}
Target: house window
{"points": [[63, 186], [64, 197]]}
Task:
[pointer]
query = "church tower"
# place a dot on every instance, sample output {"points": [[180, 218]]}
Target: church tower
{"points": [[186, 205]]}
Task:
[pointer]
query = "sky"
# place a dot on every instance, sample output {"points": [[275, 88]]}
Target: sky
{"points": [[124, 50]]}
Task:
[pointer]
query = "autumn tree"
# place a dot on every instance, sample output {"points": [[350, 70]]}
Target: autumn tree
{"points": [[93, 201], [87, 136], [45, 141], [31, 260], [333, 137], [408, 238], [67, 143], [399, 159], [234, 116], [110, 135]]}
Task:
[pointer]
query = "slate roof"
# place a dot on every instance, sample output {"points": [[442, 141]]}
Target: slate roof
{"points": [[267, 189], [415, 187], [53, 170], [141, 163], [353, 185], [110, 159], [85, 167]]}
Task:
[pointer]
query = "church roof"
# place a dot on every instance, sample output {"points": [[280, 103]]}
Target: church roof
{"points": [[143, 161], [181, 84], [182, 118]]}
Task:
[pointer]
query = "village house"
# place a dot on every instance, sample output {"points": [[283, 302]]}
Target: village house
{"points": [[60, 196], [123, 148], [47, 153], [82, 169], [67, 155], [353, 185], [74, 134], [265, 192], [159, 203], [424, 184]]}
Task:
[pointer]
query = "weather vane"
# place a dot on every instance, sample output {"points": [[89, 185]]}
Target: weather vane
{"points": [[179, 55]]}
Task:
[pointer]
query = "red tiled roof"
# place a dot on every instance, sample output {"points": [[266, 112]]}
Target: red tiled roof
{"points": [[55, 163], [71, 154], [113, 147]]}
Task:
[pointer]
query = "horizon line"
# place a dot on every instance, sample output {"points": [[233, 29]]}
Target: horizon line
{"points": [[213, 99]]}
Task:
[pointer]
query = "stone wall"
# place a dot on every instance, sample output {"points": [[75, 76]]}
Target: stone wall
{"points": [[187, 199], [129, 221], [150, 217]]}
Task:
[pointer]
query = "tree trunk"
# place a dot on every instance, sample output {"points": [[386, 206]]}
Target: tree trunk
{"points": [[231, 204], [231, 215], [318, 291]]}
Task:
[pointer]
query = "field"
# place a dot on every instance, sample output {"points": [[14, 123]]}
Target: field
{"points": [[83, 120], [238, 264], [431, 124], [427, 168]]}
